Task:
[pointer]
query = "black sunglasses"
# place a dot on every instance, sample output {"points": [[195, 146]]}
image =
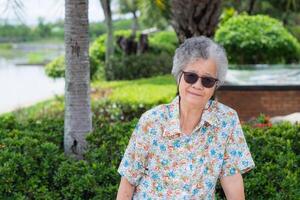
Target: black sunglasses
{"points": [[206, 81]]}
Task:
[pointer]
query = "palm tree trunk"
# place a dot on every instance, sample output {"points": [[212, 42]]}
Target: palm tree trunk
{"points": [[195, 18], [78, 120]]}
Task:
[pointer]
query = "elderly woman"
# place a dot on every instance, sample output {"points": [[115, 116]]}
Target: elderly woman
{"points": [[180, 150]]}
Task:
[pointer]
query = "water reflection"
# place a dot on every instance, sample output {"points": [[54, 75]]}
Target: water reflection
{"points": [[25, 85], [264, 75]]}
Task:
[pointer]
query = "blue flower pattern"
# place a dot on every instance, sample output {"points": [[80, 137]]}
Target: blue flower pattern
{"points": [[164, 163]]}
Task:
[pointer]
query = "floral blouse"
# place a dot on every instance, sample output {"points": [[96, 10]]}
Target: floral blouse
{"points": [[164, 163]]}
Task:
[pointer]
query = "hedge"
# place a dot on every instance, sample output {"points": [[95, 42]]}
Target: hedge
{"points": [[33, 165], [256, 40]]}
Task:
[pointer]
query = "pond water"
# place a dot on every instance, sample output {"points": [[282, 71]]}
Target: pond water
{"points": [[264, 75], [24, 85]]}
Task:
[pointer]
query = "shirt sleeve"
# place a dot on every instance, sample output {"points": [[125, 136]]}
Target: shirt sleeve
{"points": [[237, 157], [133, 163]]}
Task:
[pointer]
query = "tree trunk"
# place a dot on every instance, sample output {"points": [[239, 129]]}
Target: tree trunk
{"points": [[109, 41], [194, 18], [135, 24], [251, 6], [78, 118]]}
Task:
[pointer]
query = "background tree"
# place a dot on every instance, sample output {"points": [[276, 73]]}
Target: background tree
{"points": [[78, 118], [188, 17], [195, 18], [155, 13], [15, 6], [284, 10], [110, 39], [130, 6]]}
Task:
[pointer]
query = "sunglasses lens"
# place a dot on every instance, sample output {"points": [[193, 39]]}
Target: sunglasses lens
{"points": [[190, 78], [208, 82]]}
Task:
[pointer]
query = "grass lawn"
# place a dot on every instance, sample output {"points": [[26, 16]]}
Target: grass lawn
{"points": [[145, 91]]}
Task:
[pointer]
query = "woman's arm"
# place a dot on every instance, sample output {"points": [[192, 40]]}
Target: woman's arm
{"points": [[233, 187], [125, 191]]}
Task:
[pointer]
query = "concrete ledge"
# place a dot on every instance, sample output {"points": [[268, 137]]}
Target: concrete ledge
{"points": [[259, 87]]}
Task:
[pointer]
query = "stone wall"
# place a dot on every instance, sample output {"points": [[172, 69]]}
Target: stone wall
{"points": [[250, 101]]}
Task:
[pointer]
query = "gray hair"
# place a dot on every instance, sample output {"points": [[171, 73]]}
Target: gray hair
{"points": [[200, 48]]}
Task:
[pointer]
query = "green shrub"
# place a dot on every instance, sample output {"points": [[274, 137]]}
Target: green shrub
{"points": [[164, 41], [161, 46], [161, 49], [295, 30], [97, 50], [33, 165], [38, 58], [139, 66], [142, 91], [56, 68], [6, 46], [276, 153], [257, 39]]}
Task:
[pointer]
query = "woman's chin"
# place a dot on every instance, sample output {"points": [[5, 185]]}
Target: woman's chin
{"points": [[194, 99]]}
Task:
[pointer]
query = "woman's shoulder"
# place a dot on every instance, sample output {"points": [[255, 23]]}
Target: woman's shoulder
{"points": [[224, 110], [155, 113]]}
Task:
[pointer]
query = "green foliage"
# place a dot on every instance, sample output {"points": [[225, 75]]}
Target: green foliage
{"points": [[33, 166], [227, 13], [138, 66], [56, 68], [97, 51], [140, 92], [155, 13], [286, 11], [276, 152], [163, 41], [36, 58], [24, 33], [96, 29], [156, 61], [257, 39], [6, 46], [295, 30], [43, 29], [12, 33]]}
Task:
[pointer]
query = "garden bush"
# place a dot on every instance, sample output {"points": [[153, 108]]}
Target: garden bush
{"points": [[33, 165], [56, 68], [275, 151], [164, 41], [256, 40], [157, 60], [139, 66]]}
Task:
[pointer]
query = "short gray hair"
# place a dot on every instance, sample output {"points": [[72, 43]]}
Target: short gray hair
{"points": [[200, 48]]}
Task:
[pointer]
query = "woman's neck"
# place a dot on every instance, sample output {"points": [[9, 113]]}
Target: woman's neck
{"points": [[189, 116]]}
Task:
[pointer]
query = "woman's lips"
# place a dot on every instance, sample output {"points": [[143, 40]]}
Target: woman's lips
{"points": [[195, 94]]}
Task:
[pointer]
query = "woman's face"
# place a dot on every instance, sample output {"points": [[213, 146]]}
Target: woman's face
{"points": [[196, 94]]}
